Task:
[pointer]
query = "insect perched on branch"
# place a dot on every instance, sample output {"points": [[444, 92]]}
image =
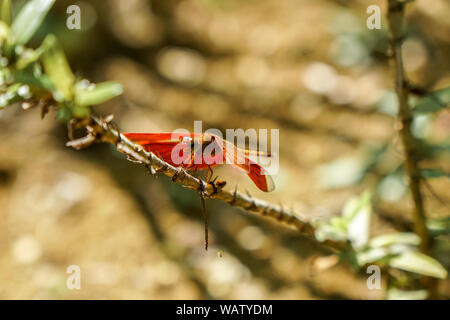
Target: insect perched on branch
{"points": [[197, 151]]}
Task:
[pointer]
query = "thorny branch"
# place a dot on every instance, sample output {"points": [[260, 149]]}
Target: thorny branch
{"points": [[102, 130], [396, 23], [395, 15]]}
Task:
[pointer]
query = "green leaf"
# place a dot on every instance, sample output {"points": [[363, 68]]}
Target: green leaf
{"points": [[28, 57], [434, 101], [357, 212], [353, 225], [431, 173], [29, 19], [57, 69], [397, 294], [417, 262], [6, 12], [15, 93], [334, 230], [353, 207], [80, 112], [386, 240], [64, 113], [41, 82], [94, 94], [430, 150], [4, 30], [372, 255], [386, 246], [439, 227]]}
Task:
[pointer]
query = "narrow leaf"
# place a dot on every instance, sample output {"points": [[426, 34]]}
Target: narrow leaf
{"points": [[29, 56], [431, 173], [57, 68], [328, 231], [4, 30], [397, 294], [357, 212], [386, 240], [6, 11], [14, 93], [372, 255], [434, 101], [97, 93], [41, 82], [29, 19], [419, 263], [439, 226]]}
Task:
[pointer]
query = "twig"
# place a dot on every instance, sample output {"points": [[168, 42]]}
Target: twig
{"points": [[395, 15], [103, 131], [396, 19]]}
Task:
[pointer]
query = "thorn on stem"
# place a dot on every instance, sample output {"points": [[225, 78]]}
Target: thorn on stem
{"points": [[264, 212], [162, 169], [109, 118], [234, 196], [280, 217], [150, 169], [132, 159], [177, 174], [253, 205]]}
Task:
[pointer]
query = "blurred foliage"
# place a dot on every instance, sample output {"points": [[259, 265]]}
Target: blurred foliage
{"points": [[45, 68]]}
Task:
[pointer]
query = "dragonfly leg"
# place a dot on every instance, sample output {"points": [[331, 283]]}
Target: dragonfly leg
{"points": [[192, 164], [204, 212], [210, 171]]}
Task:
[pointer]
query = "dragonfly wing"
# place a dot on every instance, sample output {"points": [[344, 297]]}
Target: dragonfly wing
{"points": [[169, 152], [257, 173], [162, 145], [157, 137], [261, 177]]}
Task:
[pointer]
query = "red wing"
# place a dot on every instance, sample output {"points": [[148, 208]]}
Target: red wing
{"points": [[157, 137], [234, 155], [261, 177], [161, 144], [165, 150], [258, 174]]}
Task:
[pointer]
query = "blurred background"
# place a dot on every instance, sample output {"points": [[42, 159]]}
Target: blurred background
{"points": [[309, 68]]}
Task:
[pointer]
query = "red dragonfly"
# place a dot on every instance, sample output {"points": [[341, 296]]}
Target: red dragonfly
{"points": [[197, 151]]}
